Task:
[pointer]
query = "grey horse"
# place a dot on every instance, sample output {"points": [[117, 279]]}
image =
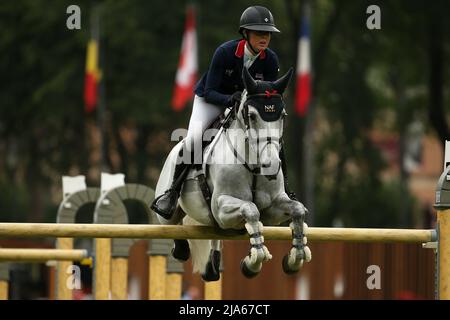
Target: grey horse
{"points": [[242, 170]]}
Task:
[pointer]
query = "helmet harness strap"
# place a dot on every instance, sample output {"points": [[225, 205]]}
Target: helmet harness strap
{"points": [[247, 38]]}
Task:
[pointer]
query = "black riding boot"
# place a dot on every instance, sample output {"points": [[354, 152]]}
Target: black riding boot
{"points": [[290, 193], [166, 203]]}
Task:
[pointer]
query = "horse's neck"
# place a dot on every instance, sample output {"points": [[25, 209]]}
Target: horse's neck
{"points": [[236, 138]]}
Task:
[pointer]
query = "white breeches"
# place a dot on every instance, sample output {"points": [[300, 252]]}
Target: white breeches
{"points": [[203, 114]]}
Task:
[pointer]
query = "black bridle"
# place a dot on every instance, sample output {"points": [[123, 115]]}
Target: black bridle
{"points": [[245, 115]]}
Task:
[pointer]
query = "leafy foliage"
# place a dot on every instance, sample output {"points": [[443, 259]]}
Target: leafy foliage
{"points": [[359, 76]]}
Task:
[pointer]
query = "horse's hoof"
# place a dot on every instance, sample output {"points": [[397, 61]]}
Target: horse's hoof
{"points": [[246, 271], [308, 255], [286, 267], [181, 250], [212, 272]]}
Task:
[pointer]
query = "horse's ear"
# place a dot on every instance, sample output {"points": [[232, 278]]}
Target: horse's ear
{"points": [[249, 82], [281, 84]]}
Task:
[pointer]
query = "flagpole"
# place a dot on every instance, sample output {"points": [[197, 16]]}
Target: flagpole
{"points": [[95, 33], [308, 144], [309, 165]]}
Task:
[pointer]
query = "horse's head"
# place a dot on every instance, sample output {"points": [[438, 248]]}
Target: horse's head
{"points": [[262, 112]]}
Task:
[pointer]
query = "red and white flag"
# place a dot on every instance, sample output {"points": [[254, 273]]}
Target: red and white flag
{"points": [[303, 90], [187, 66]]}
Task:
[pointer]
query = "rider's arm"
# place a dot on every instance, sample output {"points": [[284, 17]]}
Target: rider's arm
{"points": [[214, 79]]}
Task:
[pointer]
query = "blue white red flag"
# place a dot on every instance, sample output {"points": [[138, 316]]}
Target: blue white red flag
{"points": [[303, 89]]}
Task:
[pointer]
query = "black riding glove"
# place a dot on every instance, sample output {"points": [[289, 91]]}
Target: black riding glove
{"points": [[235, 98]]}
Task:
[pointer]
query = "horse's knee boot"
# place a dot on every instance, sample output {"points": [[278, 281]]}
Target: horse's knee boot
{"points": [[181, 250], [212, 271]]}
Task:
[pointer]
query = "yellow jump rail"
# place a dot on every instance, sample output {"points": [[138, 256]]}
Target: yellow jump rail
{"points": [[41, 255], [30, 230]]}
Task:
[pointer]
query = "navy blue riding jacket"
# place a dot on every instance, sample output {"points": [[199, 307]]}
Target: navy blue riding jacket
{"points": [[224, 76]]}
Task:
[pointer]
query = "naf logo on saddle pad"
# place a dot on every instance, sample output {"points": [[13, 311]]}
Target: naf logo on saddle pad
{"points": [[269, 108]]}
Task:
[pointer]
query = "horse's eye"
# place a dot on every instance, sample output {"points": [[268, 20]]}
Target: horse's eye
{"points": [[252, 116]]}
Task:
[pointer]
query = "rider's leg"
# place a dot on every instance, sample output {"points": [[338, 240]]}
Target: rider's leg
{"points": [[203, 114], [290, 193], [165, 204]]}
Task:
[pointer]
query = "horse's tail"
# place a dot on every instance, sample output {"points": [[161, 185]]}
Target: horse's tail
{"points": [[200, 249]]}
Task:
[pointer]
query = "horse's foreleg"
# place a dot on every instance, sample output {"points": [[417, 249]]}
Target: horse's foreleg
{"points": [[282, 209], [233, 212], [299, 252]]}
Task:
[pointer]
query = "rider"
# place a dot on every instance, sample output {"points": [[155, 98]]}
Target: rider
{"points": [[221, 87]]}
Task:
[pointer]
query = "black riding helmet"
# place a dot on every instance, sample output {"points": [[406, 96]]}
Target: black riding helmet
{"points": [[257, 18]]}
